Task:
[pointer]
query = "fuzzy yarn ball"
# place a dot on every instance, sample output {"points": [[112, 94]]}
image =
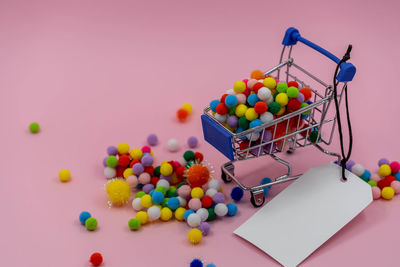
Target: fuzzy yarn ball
{"points": [[237, 193]]}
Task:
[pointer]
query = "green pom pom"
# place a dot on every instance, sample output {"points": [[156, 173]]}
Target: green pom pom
{"points": [[157, 172], [140, 194], [91, 224], [211, 214], [274, 107], [134, 224], [372, 183], [314, 138], [179, 185], [302, 105], [243, 123], [232, 110], [188, 155], [275, 94], [112, 161], [161, 189], [292, 92], [172, 191], [164, 202], [282, 87], [34, 127]]}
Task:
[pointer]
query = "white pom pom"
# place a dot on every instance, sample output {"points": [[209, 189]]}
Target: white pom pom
{"points": [[173, 145], [266, 117], [230, 92], [214, 183], [110, 172], [203, 213], [357, 169], [164, 183], [264, 93], [220, 118], [211, 192], [194, 220], [182, 201], [221, 209], [241, 98], [253, 136], [269, 100], [136, 204], [154, 213]]}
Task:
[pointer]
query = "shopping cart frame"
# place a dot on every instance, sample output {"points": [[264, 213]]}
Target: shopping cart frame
{"points": [[298, 124]]}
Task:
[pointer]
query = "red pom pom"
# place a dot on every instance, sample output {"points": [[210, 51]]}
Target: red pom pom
{"points": [[180, 171], [198, 156], [182, 114], [306, 92], [133, 162], [247, 92], [124, 160], [260, 107], [120, 171], [244, 145], [206, 202], [149, 170], [173, 164], [257, 86], [293, 105], [385, 182], [293, 83], [154, 180], [223, 98], [222, 109], [96, 259]]}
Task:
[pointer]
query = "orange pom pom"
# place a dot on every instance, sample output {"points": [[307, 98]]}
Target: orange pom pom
{"points": [[257, 74], [182, 114], [306, 92], [198, 175]]}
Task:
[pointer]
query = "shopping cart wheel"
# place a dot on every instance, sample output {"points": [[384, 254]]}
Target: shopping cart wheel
{"points": [[225, 177], [257, 199], [290, 151]]}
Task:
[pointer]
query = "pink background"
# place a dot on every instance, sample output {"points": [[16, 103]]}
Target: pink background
{"points": [[96, 73]]}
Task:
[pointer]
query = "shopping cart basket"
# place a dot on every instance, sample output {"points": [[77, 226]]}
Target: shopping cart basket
{"points": [[297, 126]]}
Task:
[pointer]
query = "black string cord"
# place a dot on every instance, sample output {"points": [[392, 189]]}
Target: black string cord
{"points": [[345, 157]]}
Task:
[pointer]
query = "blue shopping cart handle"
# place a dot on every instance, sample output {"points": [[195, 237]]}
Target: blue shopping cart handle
{"points": [[347, 70]]}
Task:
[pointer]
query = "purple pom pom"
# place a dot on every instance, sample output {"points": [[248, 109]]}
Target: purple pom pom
{"points": [[219, 198], [383, 161], [232, 121], [204, 228], [267, 136], [152, 139], [350, 164], [192, 142], [112, 151], [300, 97], [138, 168], [105, 162], [168, 178], [147, 188], [147, 160]]}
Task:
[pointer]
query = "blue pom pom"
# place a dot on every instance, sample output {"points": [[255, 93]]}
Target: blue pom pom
{"points": [[211, 265], [397, 176], [237, 193], [255, 123], [151, 192], [84, 216], [139, 186], [231, 100], [266, 180], [157, 197], [366, 175], [187, 213], [173, 203], [252, 99], [309, 102], [305, 116], [214, 104], [232, 209], [196, 263]]}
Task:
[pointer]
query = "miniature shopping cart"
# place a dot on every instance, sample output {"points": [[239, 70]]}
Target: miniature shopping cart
{"points": [[297, 125]]}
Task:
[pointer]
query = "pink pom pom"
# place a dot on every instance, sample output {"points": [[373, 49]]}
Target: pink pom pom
{"points": [[132, 181], [375, 177], [194, 204], [395, 166], [251, 83], [241, 98], [245, 80], [144, 178], [376, 192], [146, 149], [396, 186], [184, 191]]}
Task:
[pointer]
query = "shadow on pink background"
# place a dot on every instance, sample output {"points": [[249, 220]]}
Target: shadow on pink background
{"points": [[97, 73]]}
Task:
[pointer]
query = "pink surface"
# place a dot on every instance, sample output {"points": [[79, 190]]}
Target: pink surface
{"points": [[96, 73]]}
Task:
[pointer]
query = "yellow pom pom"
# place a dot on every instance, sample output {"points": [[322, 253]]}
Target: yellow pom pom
{"points": [[384, 170], [174, 179], [281, 111], [64, 175], [118, 191], [241, 110], [282, 99], [166, 169], [239, 87], [194, 236], [123, 148], [166, 214], [387, 192], [197, 192], [187, 107], [146, 201], [136, 153], [142, 216], [251, 114], [269, 82], [179, 214], [128, 172]]}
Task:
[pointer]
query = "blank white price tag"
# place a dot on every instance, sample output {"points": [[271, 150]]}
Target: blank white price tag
{"points": [[306, 214]]}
